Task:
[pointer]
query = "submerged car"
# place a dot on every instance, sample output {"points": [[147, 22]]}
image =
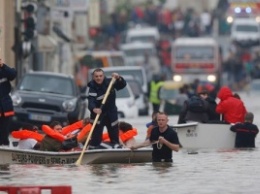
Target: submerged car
{"points": [[43, 97]]}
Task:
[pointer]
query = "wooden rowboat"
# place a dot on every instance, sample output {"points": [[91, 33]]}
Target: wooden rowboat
{"points": [[12, 155], [193, 136]]}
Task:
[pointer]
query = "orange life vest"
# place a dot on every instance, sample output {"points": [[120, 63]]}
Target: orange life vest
{"points": [[84, 132], [54, 134], [68, 129], [25, 134], [123, 136]]}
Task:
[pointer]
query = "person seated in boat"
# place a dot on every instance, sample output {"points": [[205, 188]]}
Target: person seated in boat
{"points": [[195, 109], [245, 132], [29, 137], [58, 139], [151, 125], [232, 108], [163, 139], [126, 135], [212, 114]]}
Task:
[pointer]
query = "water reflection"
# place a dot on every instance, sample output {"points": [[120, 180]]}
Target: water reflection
{"points": [[4, 170]]}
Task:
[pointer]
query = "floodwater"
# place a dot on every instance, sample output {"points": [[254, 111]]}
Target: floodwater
{"points": [[205, 172]]}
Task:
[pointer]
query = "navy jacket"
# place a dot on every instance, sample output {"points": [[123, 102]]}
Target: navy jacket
{"points": [[7, 74], [245, 134], [96, 94]]}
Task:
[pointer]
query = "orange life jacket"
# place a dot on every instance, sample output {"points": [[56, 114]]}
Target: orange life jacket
{"points": [[123, 136], [54, 134], [84, 132], [25, 134], [68, 129]]}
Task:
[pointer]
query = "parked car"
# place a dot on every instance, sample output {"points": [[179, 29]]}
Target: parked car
{"points": [[140, 97], [125, 102], [42, 97], [246, 32], [168, 95]]}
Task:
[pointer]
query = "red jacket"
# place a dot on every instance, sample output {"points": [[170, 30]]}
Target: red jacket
{"points": [[233, 109]]}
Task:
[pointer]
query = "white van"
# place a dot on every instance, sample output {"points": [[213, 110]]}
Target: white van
{"points": [[134, 52], [143, 34], [136, 72], [245, 31]]}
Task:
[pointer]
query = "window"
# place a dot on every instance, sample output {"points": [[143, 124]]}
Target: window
{"points": [[197, 52], [48, 84]]}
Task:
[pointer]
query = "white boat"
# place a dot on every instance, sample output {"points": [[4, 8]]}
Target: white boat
{"points": [[194, 136], [12, 155]]}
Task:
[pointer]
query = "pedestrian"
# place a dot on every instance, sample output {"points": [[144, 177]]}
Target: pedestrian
{"points": [[154, 92], [245, 132], [232, 108], [108, 112], [163, 139], [7, 74]]}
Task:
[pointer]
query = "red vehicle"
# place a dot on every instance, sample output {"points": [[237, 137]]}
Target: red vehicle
{"points": [[243, 9]]}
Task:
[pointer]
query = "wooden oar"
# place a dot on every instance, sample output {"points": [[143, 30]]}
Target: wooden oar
{"points": [[78, 162]]}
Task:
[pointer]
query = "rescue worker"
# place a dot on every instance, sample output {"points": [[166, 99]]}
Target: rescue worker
{"points": [[108, 112], [163, 139], [7, 74], [245, 132], [154, 91]]}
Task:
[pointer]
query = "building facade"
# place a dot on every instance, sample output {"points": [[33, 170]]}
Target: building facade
{"points": [[7, 22]]}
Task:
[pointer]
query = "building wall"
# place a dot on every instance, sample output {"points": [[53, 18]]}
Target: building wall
{"points": [[7, 21]]}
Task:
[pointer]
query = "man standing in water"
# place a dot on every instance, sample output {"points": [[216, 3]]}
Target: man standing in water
{"points": [[245, 132], [163, 139]]}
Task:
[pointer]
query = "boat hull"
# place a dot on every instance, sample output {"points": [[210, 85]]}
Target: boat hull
{"points": [[101, 156], [205, 136]]}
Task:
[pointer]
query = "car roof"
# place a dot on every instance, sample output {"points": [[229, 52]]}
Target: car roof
{"points": [[195, 41], [136, 45], [49, 73]]}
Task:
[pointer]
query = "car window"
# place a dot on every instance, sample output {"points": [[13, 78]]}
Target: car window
{"points": [[168, 93], [247, 28], [135, 86], [47, 84], [194, 53], [138, 52], [124, 93], [136, 74], [144, 38]]}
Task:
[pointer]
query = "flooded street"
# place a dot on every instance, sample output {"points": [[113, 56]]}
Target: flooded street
{"points": [[208, 171]]}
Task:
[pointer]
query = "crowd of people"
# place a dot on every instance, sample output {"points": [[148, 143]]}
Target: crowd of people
{"points": [[200, 107]]}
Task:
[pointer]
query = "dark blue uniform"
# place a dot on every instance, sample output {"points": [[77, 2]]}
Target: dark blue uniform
{"points": [[109, 116], [7, 74], [245, 134]]}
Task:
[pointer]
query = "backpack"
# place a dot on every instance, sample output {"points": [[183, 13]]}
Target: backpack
{"points": [[196, 104]]}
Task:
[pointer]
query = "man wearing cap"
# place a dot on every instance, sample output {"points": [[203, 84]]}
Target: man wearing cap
{"points": [[245, 132]]}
